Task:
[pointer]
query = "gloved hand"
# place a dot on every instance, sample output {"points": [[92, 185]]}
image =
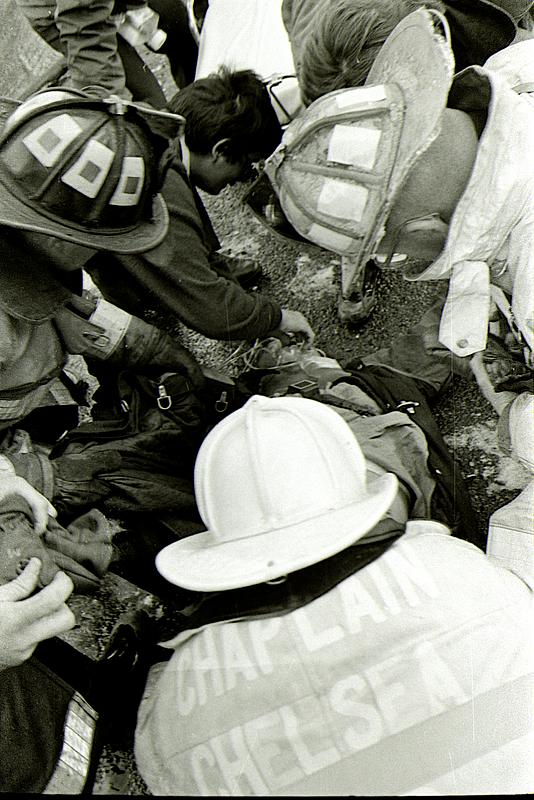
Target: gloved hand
{"points": [[145, 345], [76, 474], [171, 356], [499, 400], [505, 366], [100, 330], [150, 470]]}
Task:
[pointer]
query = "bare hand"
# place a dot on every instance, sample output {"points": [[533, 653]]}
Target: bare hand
{"points": [[25, 621], [12, 485], [295, 322]]}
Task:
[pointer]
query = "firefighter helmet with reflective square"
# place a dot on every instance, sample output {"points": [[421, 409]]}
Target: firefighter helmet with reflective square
{"points": [[84, 170]]}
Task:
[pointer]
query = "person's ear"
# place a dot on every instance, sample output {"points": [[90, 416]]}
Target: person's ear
{"points": [[220, 149]]}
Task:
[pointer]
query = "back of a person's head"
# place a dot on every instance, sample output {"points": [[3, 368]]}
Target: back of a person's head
{"points": [[340, 51], [228, 105], [432, 186]]}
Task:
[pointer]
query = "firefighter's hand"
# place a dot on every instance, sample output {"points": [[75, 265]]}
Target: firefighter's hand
{"points": [[174, 357], [25, 621], [295, 322]]}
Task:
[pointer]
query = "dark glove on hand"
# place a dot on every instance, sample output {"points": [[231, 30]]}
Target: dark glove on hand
{"points": [[172, 356], [147, 346]]}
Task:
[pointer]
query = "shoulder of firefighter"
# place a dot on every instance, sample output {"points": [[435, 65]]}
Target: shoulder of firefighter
{"points": [[33, 357]]}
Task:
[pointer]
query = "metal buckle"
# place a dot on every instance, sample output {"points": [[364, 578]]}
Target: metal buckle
{"points": [[164, 400], [391, 260], [304, 387], [222, 403], [407, 406]]}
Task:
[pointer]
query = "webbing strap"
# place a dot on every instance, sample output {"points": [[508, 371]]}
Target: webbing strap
{"points": [[72, 769]]}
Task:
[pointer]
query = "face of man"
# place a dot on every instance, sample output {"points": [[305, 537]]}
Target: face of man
{"points": [[213, 172], [214, 176]]}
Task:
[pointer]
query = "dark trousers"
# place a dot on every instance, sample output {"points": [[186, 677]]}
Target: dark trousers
{"points": [[48, 733], [420, 355]]}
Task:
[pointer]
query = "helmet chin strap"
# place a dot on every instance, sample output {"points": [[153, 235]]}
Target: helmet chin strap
{"points": [[170, 125], [120, 104]]}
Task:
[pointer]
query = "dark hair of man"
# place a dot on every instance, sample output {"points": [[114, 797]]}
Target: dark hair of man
{"points": [[340, 50], [228, 105]]}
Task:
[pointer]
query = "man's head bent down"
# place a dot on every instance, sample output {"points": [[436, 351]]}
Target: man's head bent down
{"points": [[366, 171], [230, 123]]}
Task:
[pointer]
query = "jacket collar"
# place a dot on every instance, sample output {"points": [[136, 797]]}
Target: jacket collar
{"points": [[488, 208]]}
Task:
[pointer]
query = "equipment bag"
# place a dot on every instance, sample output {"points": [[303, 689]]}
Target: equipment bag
{"points": [[138, 452]]}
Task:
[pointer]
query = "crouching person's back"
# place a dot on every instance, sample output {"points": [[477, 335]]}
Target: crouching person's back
{"points": [[333, 655]]}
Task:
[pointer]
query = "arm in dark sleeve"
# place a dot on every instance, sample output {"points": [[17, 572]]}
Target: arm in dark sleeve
{"points": [[178, 275], [88, 36]]}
